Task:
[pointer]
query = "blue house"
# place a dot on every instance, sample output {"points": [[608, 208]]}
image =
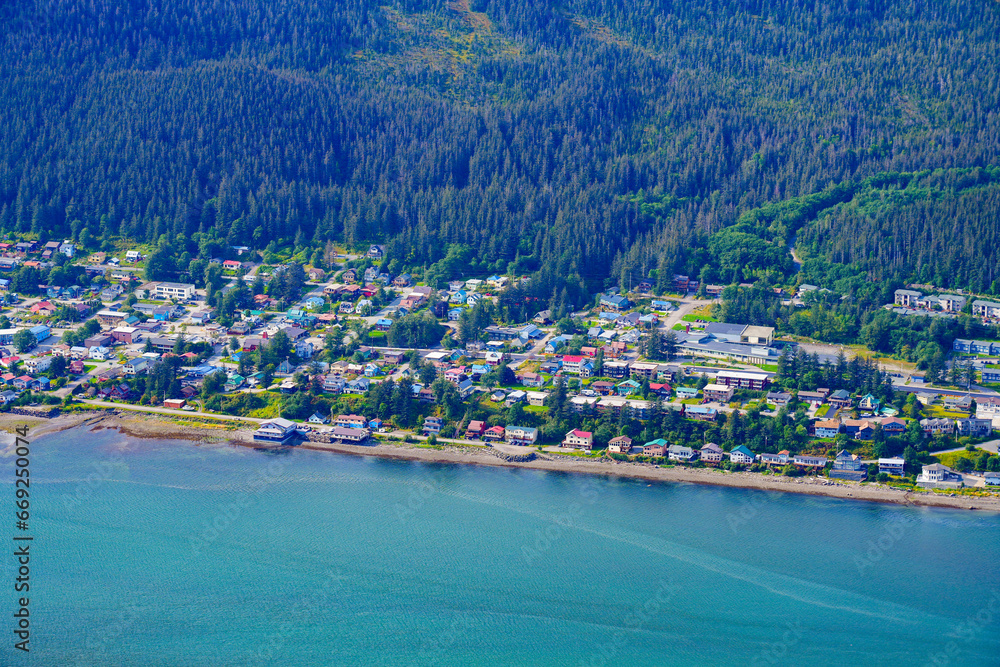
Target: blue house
{"points": [[555, 344], [40, 332], [627, 388], [615, 302]]}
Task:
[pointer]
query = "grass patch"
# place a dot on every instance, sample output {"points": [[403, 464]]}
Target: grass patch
{"points": [[823, 410], [951, 458], [937, 412]]}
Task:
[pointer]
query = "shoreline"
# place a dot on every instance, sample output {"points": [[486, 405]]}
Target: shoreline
{"points": [[148, 425]]}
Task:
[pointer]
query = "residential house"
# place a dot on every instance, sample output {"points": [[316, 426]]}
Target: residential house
{"points": [[891, 466], [741, 455], [940, 426], [433, 425], [848, 466], [828, 428], [893, 426], [529, 379], [578, 439], [840, 398], [614, 302], [869, 402], [136, 366], [351, 421], [656, 447], [859, 429], [712, 453], [475, 430], [976, 428], [719, 393], [275, 430], [778, 398], [812, 397], [700, 412], [521, 435], [627, 388], [809, 461], [743, 379], [939, 476], [620, 445], [681, 453], [686, 392], [779, 459], [494, 434]]}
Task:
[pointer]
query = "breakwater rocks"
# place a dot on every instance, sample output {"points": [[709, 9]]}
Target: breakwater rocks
{"points": [[512, 458], [27, 411]]}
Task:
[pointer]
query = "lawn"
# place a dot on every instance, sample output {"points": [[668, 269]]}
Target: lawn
{"points": [[951, 458], [823, 410], [703, 313], [937, 412]]}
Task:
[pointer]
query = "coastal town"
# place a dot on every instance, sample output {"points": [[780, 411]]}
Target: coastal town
{"points": [[358, 355]]}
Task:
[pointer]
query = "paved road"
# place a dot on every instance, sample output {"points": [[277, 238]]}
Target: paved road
{"points": [[168, 411], [990, 446], [688, 304]]}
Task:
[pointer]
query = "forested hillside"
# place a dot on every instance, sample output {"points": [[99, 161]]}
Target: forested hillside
{"points": [[589, 141]]}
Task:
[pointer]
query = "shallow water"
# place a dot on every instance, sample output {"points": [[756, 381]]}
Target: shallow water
{"points": [[158, 552]]}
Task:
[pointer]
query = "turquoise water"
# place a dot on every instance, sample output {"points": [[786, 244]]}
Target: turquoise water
{"points": [[164, 552]]}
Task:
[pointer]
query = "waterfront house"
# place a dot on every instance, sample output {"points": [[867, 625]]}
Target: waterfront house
{"points": [[475, 430], [712, 453], [742, 455], [779, 459], [808, 461], [681, 453], [620, 445], [351, 421], [939, 476], [848, 466], [656, 447], [891, 466], [521, 435], [494, 434], [275, 430], [578, 439], [433, 425]]}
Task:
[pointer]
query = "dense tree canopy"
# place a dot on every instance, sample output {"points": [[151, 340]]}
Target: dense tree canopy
{"points": [[589, 141]]}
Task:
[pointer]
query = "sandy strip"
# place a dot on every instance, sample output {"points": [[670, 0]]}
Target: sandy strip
{"points": [[156, 426]]}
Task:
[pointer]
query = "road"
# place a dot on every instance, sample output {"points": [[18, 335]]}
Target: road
{"points": [[688, 304], [168, 411], [990, 446]]}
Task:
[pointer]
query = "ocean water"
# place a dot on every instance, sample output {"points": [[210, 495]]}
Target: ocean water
{"points": [[163, 552]]}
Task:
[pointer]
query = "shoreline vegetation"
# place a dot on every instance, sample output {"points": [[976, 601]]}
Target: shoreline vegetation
{"points": [[148, 425]]}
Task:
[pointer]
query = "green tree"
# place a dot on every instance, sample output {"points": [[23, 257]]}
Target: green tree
{"points": [[24, 340]]}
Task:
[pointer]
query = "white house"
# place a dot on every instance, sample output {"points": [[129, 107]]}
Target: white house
{"points": [[579, 440]]}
